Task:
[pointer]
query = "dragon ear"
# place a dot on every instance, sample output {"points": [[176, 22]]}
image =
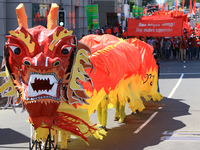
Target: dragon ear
{"points": [[21, 16], [52, 16], [75, 90]]}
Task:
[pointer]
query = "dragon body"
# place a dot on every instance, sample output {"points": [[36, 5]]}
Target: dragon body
{"points": [[60, 81]]}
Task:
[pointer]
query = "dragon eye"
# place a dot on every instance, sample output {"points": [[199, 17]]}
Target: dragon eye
{"points": [[16, 50], [66, 50]]}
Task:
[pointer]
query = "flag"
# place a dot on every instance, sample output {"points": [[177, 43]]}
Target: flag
{"points": [[194, 7], [165, 5], [190, 6], [183, 3], [176, 4]]}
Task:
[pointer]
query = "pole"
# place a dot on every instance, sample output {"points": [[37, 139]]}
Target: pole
{"points": [[137, 8], [122, 12]]}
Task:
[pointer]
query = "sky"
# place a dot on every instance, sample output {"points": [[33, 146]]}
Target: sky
{"points": [[160, 1]]}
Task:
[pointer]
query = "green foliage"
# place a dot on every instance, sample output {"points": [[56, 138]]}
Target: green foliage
{"points": [[170, 2], [146, 2], [132, 3]]}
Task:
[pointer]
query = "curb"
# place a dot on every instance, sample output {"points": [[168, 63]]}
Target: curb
{"points": [[3, 101]]}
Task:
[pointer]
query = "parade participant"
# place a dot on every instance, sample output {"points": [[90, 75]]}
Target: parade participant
{"points": [[124, 34], [108, 30], [97, 31], [151, 42], [157, 43], [191, 45], [162, 51], [102, 112], [120, 112], [158, 64], [167, 45], [116, 30], [196, 48], [183, 48], [176, 46]]}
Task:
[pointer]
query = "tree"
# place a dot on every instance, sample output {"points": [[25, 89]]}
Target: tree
{"points": [[146, 2], [132, 3], [170, 2]]}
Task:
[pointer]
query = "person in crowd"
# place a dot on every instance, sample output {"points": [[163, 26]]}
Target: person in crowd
{"points": [[157, 43], [116, 30], [142, 38], [124, 34], [183, 47], [196, 48], [191, 45], [176, 45], [151, 42], [158, 64], [108, 30], [162, 51], [167, 45], [97, 31], [171, 47], [101, 32], [154, 45]]}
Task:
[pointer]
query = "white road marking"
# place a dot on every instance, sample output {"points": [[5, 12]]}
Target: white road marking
{"points": [[146, 122], [160, 107], [177, 84]]}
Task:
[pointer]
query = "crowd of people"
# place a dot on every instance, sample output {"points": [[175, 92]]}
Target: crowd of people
{"points": [[115, 29], [180, 48]]}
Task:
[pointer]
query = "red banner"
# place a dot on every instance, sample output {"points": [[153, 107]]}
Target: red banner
{"points": [[155, 28]]}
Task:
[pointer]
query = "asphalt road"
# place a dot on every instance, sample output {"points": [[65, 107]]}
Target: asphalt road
{"points": [[171, 124]]}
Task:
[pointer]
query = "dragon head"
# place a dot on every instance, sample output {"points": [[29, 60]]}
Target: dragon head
{"points": [[46, 65]]}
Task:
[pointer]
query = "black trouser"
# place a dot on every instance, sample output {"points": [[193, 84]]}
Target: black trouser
{"points": [[175, 52]]}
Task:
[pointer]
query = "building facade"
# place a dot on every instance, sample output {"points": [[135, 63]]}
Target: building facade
{"points": [[37, 10], [109, 12]]}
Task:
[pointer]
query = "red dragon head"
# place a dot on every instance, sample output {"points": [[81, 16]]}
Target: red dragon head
{"points": [[46, 65]]}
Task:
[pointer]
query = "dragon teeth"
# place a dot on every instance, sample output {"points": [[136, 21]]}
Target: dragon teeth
{"points": [[52, 81]]}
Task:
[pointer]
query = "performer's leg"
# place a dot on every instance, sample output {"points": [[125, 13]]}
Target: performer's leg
{"points": [[122, 113], [184, 54], [181, 54], [69, 138], [63, 143], [99, 113], [104, 116], [55, 138], [117, 111]]}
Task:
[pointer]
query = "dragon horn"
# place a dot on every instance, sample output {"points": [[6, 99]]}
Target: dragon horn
{"points": [[21, 16], [52, 16]]}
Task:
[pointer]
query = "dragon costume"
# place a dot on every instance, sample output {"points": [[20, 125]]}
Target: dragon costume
{"points": [[60, 81], [43, 70]]}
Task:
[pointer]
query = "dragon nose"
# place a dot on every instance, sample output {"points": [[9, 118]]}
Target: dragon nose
{"points": [[41, 60]]}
